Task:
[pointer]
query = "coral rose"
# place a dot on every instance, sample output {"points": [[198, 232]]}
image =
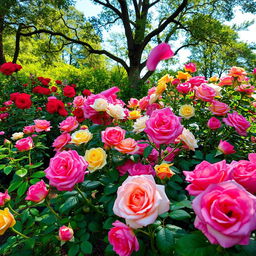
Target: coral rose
{"points": [[112, 136], [69, 124], [66, 169], [205, 93], [96, 158], [140, 201], [6, 220], [225, 213], [37, 192], [127, 146], [219, 108], [42, 125], [122, 238], [61, 141]]}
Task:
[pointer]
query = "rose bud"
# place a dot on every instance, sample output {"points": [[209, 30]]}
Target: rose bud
{"points": [[66, 233], [37, 192]]}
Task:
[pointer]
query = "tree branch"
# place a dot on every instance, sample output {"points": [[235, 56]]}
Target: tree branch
{"points": [[155, 2], [183, 46], [110, 6], [147, 75]]}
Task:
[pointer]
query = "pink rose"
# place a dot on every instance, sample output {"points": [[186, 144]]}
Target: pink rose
{"points": [[225, 214], [219, 108], [152, 156], [78, 101], [206, 174], [152, 108], [141, 169], [122, 238], [112, 136], [184, 88], [197, 81], [127, 146], [122, 169], [140, 201], [238, 122], [191, 67], [244, 173], [170, 153], [4, 197], [69, 124], [65, 233], [133, 103], [163, 127], [42, 125], [37, 192], [61, 141], [228, 80], [144, 102], [24, 144], [66, 169], [214, 123], [2, 133], [226, 148], [205, 93], [29, 129]]}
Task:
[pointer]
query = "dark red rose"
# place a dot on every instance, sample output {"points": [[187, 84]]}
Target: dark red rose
{"points": [[41, 90], [69, 91], [86, 92], [44, 81], [53, 89], [9, 68], [56, 106], [79, 114], [14, 95], [58, 82], [23, 101], [73, 85]]}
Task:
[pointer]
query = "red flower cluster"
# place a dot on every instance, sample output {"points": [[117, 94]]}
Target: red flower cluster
{"points": [[44, 81], [41, 90], [9, 68], [79, 114], [56, 106], [69, 91], [86, 92], [21, 100]]}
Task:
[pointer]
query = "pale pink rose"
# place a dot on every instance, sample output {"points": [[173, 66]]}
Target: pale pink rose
{"points": [[141, 169], [65, 233], [227, 80], [4, 197], [226, 148], [184, 88], [161, 52], [8, 103], [29, 129], [127, 146], [69, 124], [133, 103], [51, 98], [37, 192], [225, 213], [197, 81], [112, 136], [191, 67], [206, 174], [214, 123], [205, 93], [144, 102], [66, 169], [123, 169], [78, 101], [140, 201], [24, 144], [163, 127], [122, 238], [61, 141], [42, 125], [219, 108], [244, 173], [238, 122]]}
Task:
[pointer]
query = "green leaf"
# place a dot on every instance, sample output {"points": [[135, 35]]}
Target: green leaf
{"points": [[39, 174], [108, 223], [181, 204], [147, 151], [22, 172], [94, 226], [86, 247], [23, 188], [8, 170], [70, 203], [88, 184], [73, 250], [250, 249], [15, 185], [164, 241], [110, 189], [33, 166], [179, 215]]}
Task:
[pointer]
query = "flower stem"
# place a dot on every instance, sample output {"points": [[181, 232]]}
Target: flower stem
{"points": [[52, 210], [29, 157], [9, 205], [18, 233]]}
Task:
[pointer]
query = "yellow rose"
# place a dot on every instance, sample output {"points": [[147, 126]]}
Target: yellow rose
{"points": [[163, 171], [6, 220], [183, 75], [96, 158], [161, 87], [213, 79], [81, 136], [165, 79], [186, 111], [135, 114]]}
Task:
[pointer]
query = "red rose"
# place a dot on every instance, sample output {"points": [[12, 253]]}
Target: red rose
{"points": [[53, 89], [58, 82], [9, 68], [44, 81], [86, 92], [56, 106], [41, 90], [69, 91], [13, 96], [23, 101], [73, 85], [79, 114]]}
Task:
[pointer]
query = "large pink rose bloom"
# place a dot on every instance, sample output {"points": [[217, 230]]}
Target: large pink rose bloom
{"points": [[66, 169], [197, 81], [42, 125], [37, 192], [163, 127], [225, 214], [139, 200], [122, 238], [205, 93], [69, 124], [238, 122], [244, 173], [112, 136], [206, 174]]}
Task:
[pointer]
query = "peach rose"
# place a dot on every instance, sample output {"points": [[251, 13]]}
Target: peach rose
{"points": [[42, 125], [205, 93], [219, 108], [127, 146], [140, 200]]}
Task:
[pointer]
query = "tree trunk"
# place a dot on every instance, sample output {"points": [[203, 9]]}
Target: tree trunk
{"points": [[135, 82], [2, 57]]}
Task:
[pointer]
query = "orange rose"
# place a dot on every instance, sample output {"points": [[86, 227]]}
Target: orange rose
{"points": [[6, 220], [163, 171], [127, 146]]}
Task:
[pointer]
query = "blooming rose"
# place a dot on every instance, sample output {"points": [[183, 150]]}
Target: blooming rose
{"points": [[66, 233], [86, 92], [140, 201], [214, 123], [116, 111], [197, 81], [133, 103], [184, 88], [61, 141], [140, 124], [246, 88], [205, 93], [37, 192], [6, 220], [78, 101], [122, 169], [69, 91], [9, 68], [23, 101], [206, 174], [66, 169], [127, 146], [100, 105], [163, 127], [42, 125], [186, 111], [191, 67], [144, 102], [135, 114], [227, 80], [113, 136], [24, 144], [69, 124], [17, 135], [96, 158], [81, 136], [122, 238], [183, 75], [225, 213], [56, 106], [41, 90], [219, 108], [226, 148], [244, 173], [140, 169], [238, 122], [4, 197], [79, 114], [29, 129], [237, 72], [188, 139], [163, 171]]}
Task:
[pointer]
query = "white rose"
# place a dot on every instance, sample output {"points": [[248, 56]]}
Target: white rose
{"points": [[140, 124], [100, 105], [116, 111], [17, 135], [189, 139], [153, 98]]}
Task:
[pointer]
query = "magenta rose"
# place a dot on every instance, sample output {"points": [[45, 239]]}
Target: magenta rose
{"points": [[122, 169], [163, 127], [206, 174], [112, 136], [214, 123], [66, 169], [140, 169], [141, 147], [205, 93], [4, 197], [122, 238], [238, 122], [226, 148], [225, 214], [37, 192], [65, 233], [24, 144]]}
